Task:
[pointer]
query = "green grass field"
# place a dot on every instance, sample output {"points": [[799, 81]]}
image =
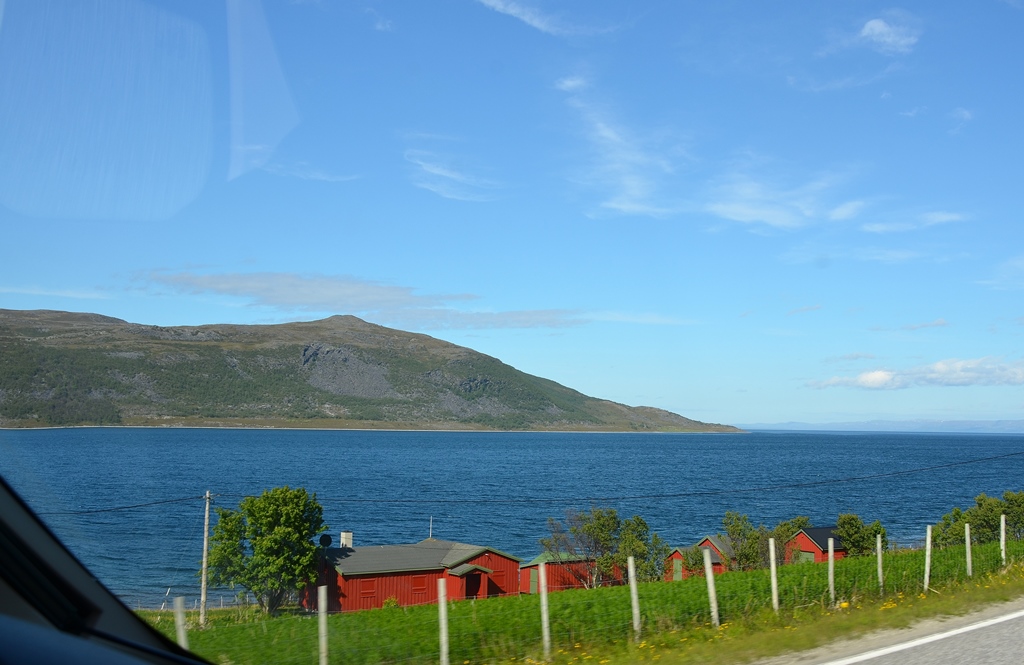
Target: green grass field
{"points": [[597, 624]]}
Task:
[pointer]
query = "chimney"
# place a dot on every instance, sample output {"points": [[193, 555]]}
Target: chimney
{"points": [[346, 539]]}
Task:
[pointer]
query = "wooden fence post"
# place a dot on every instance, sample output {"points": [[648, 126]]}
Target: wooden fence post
{"points": [[927, 557], [634, 597], [709, 574], [878, 548], [179, 621], [545, 623], [442, 616], [967, 543], [1002, 537], [775, 574], [832, 570], [321, 609]]}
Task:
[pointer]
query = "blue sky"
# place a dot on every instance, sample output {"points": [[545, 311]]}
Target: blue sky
{"points": [[740, 212]]}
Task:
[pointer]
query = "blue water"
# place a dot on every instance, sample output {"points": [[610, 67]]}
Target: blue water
{"points": [[495, 489]]}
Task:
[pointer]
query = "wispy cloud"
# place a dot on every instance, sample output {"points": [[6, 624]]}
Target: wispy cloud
{"points": [[914, 112], [892, 35], [751, 199], [380, 23], [961, 117], [822, 255], [53, 293], [400, 306], [304, 171], [987, 371], [851, 357], [317, 293], [438, 173], [834, 84], [1009, 275], [539, 20], [631, 171], [937, 323], [803, 310], [920, 221]]}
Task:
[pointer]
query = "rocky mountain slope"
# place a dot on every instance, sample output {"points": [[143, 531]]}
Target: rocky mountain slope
{"points": [[61, 368]]}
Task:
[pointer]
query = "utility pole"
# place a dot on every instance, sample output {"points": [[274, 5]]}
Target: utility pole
{"points": [[206, 554]]}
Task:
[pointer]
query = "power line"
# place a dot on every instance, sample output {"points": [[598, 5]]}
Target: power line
{"points": [[116, 508]]}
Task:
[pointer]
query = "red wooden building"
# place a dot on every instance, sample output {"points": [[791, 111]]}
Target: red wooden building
{"points": [[811, 544], [567, 572], [362, 578], [721, 558]]}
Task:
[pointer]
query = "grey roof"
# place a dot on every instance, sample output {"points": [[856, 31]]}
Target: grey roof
{"points": [[548, 557], [720, 543], [820, 535], [429, 554], [466, 568]]}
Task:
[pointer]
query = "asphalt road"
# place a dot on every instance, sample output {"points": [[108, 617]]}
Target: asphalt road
{"points": [[993, 635]]}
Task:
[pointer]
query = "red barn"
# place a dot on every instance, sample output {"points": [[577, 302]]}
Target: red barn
{"points": [[363, 578], [568, 572], [722, 557], [811, 544]]}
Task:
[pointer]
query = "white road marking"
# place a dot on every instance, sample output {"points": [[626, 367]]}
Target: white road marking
{"points": [[868, 655]]}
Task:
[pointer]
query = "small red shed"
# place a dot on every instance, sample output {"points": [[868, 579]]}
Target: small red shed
{"points": [[811, 544], [363, 578], [722, 557], [566, 571]]}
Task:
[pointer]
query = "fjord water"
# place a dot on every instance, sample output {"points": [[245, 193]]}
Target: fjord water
{"points": [[495, 489]]}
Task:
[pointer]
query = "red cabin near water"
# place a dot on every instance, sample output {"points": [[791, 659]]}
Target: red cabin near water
{"points": [[564, 571], [364, 578], [811, 544], [721, 559]]}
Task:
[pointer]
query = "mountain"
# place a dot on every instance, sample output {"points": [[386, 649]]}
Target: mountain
{"points": [[62, 368]]}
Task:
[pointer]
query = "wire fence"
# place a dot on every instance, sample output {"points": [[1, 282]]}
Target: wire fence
{"points": [[510, 628]]}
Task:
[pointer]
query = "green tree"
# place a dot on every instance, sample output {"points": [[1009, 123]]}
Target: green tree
{"points": [[984, 518], [599, 542], [266, 546], [859, 538], [750, 543], [648, 550]]}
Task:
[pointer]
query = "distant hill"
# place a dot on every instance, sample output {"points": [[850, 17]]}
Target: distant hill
{"points": [[61, 368]]}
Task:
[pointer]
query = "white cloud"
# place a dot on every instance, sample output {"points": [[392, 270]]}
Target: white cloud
{"points": [[572, 84], [961, 116], [317, 293], [987, 371], [743, 198], [822, 255], [1009, 275], [809, 84], [853, 357], [803, 310], [437, 174], [399, 306], [921, 221], [630, 172], [52, 293], [889, 37], [530, 16], [380, 23], [847, 210]]}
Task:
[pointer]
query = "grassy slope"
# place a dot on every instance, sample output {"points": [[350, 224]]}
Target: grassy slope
{"points": [[595, 624], [58, 368]]}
